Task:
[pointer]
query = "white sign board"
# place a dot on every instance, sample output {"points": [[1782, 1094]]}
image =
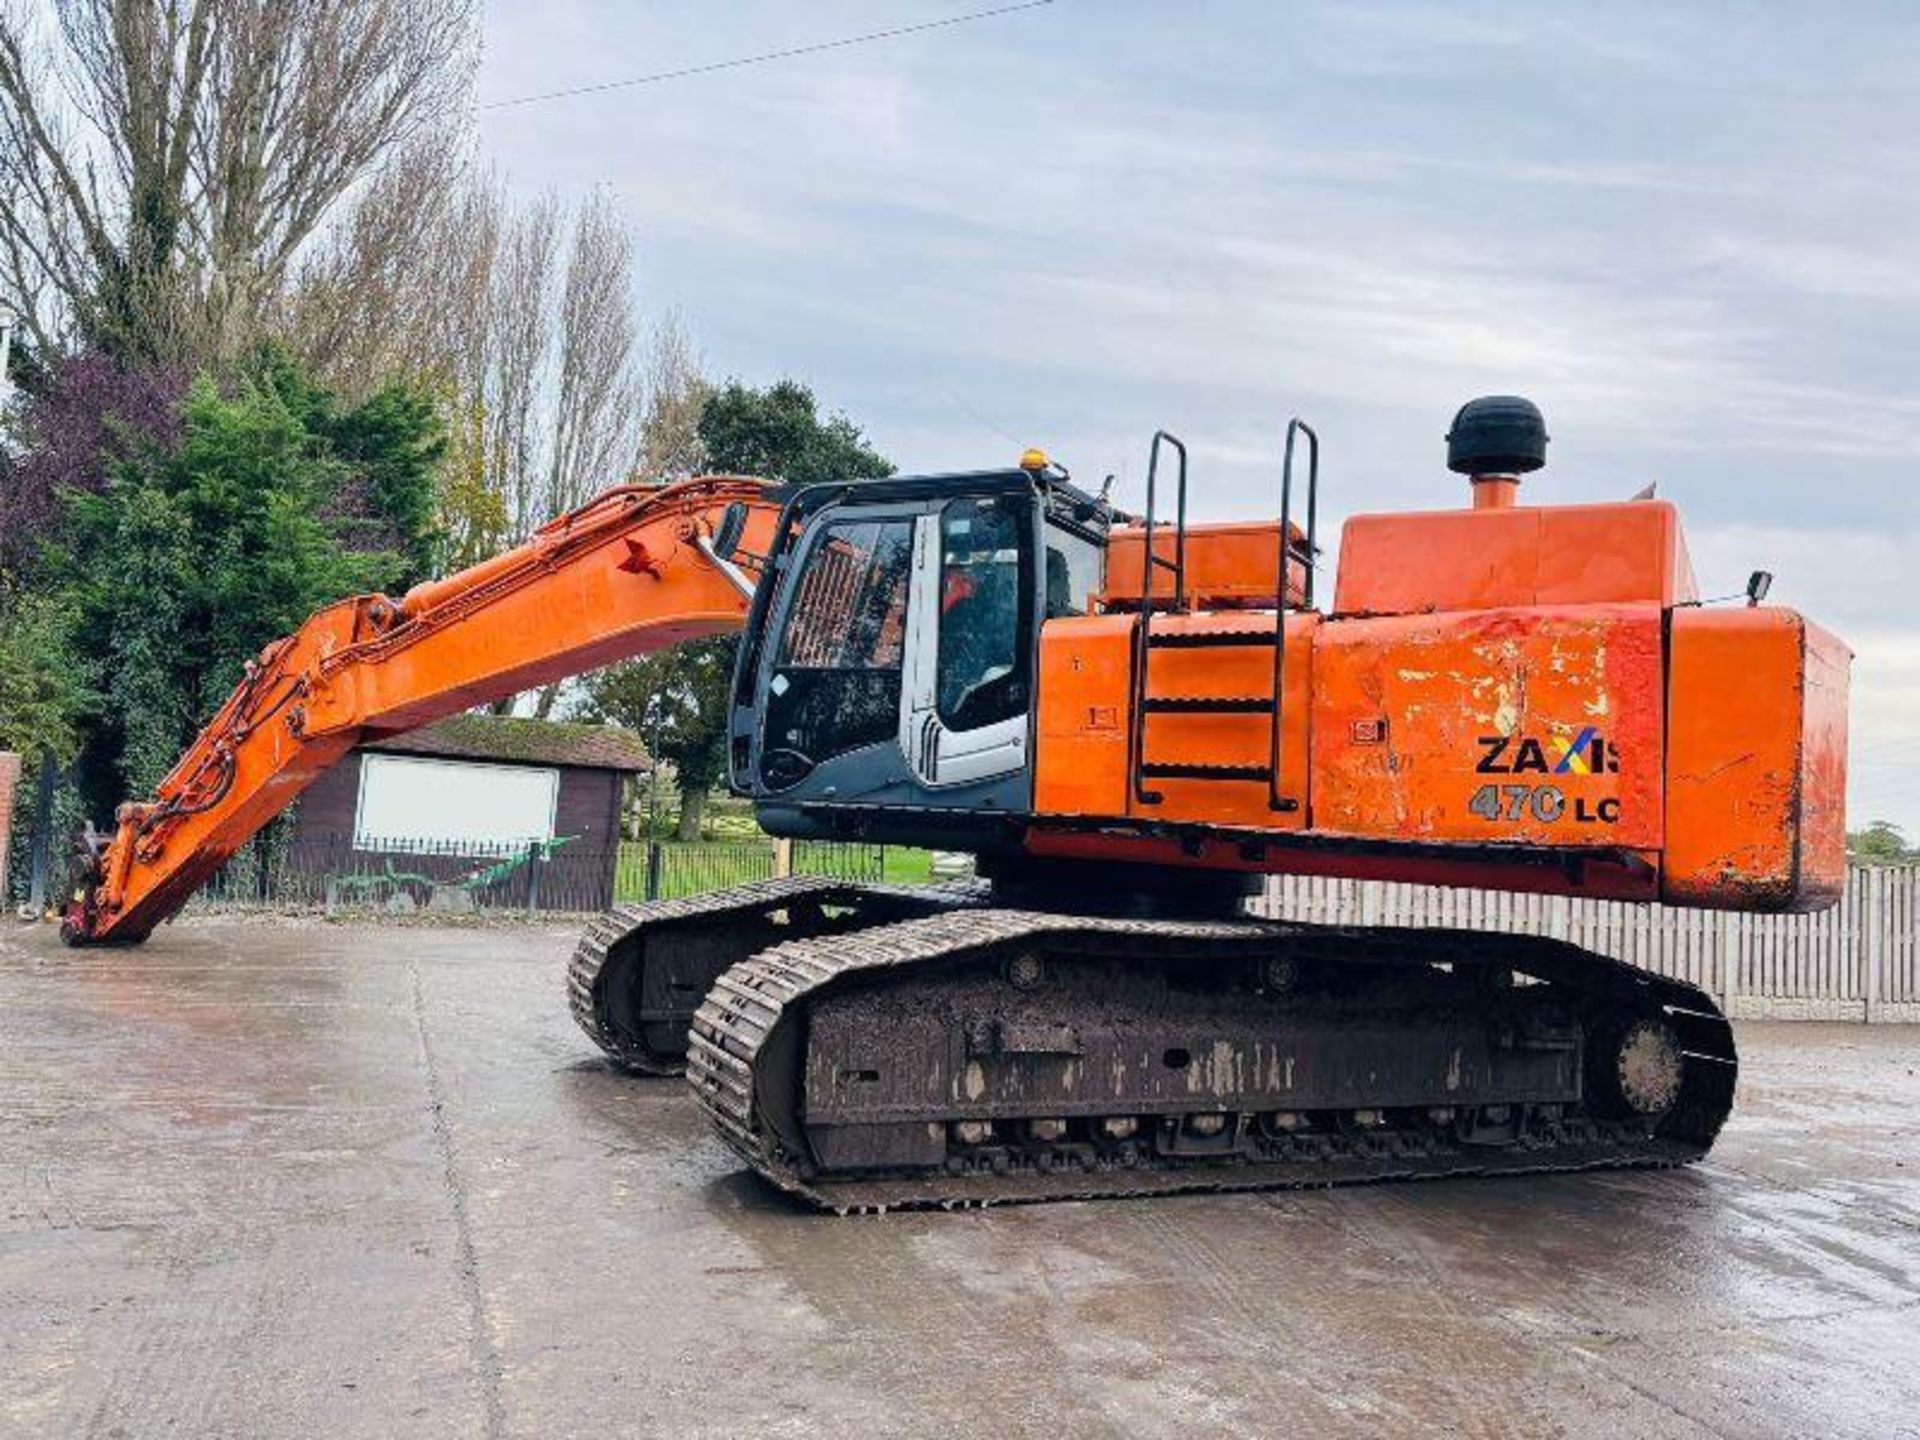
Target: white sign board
{"points": [[411, 803]]}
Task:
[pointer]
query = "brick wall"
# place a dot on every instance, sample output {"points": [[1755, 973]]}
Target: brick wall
{"points": [[9, 783]]}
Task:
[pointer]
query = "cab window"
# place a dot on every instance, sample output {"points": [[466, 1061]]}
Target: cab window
{"points": [[836, 676], [1075, 572], [985, 611]]}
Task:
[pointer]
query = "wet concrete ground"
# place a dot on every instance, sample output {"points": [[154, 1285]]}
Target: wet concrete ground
{"points": [[305, 1180]]}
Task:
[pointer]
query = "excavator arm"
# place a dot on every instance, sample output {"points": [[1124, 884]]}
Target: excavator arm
{"points": [[632, 572]]}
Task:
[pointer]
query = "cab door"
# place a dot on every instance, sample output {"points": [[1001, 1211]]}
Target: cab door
{"points": [[832, 676], [970, 641]]}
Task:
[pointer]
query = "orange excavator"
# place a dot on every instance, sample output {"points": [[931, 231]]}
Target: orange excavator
{"points": [[1129, 721]]}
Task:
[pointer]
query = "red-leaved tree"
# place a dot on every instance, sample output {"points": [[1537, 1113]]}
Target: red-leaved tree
{"points": [[92, 415]]}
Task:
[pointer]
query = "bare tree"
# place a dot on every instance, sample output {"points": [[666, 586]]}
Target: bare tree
{"points": [[395, 288], [597, 416], [522, 315], [163, 161], [517, 341], [677, 390]]}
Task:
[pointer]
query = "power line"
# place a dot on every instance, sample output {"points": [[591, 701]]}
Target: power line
{"points": [[770, 55]]}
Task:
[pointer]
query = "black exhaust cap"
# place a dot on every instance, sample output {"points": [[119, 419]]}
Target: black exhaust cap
{"points": [[1497, 435]]}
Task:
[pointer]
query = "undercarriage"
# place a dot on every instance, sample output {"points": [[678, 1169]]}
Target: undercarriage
{"points": [[641, 970], [868, 1047]]}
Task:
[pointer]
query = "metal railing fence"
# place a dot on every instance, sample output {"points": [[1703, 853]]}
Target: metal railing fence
{"points": [[337, 876]]}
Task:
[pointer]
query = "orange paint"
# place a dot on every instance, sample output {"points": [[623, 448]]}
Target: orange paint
{"points": [[1081, 764], [1082, 745], [1756, 772], [1490, 705], [1525, 555], [1229, 566], [1479, 714]]}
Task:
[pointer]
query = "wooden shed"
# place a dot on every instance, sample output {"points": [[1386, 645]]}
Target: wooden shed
{"points": [[454, 798]]}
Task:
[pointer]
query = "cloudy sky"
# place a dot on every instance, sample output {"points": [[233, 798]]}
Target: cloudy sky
{"points": [[1693, 238]]}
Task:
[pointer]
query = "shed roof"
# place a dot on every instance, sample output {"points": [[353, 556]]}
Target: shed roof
{"points": [[511, 740]]}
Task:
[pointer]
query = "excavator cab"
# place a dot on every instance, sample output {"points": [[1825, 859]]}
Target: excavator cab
{"points": [[887, 682]]}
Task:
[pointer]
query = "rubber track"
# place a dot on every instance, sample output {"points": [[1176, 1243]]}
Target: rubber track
{"points": [[752, 999], [621, 923]]}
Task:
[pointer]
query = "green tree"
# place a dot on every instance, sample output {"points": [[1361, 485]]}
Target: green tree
{"points": [[1881, 843], [186, 564], [44, 704], [42, 697], [389, 448], [472, 510], [778, 432], [677, 700]]}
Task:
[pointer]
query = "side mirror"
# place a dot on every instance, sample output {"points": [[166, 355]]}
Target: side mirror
{"points": [[727, 534], [1758, 584]]}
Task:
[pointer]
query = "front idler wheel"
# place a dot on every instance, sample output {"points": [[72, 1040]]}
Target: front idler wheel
{"points": [[1278, 974], [1638, 1068], [1025, 971]]}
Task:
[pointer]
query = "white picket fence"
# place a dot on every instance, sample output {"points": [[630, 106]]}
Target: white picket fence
{"points": [[1858, 961]]}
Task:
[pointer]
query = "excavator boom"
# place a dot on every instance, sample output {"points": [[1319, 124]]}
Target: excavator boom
{"points": [[628, 574]]}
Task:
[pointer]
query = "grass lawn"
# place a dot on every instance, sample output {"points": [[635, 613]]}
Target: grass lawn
{"points": [[734, 850], [907, 867], [696, 867]]}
